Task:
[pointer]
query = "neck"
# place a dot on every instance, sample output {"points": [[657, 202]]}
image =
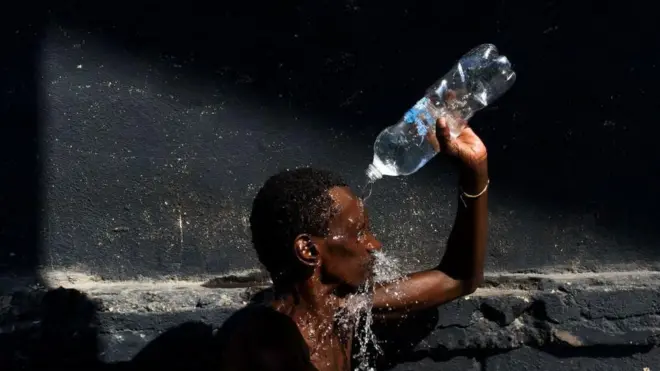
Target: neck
{"points": [[309, 300]]}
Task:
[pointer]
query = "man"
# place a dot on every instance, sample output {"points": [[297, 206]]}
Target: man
{"points": [[312, 234]]}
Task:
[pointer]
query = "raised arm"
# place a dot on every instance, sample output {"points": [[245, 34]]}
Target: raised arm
{"points": [[460, 270]]}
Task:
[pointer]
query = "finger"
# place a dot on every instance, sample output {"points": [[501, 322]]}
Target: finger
{"points": [[443, 132], [431, 138], [441, 123], [448, 144], [449, 95]]}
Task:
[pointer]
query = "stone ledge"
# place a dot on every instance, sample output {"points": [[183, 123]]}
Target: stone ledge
{"points": [[429, 364], [534, 360], [564, 321], [578, 317]]}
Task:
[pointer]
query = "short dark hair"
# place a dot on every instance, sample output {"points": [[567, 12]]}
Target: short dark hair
{"points": [[290, 203]]}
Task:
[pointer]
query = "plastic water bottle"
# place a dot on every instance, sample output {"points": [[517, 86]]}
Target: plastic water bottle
{"points": [[479, 78]]}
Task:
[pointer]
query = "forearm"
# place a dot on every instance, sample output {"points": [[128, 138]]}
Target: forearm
{"points": [[461, 268], [466, 247]]}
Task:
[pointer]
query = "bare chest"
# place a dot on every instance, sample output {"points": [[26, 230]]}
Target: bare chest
{"points": [[331, 352]]}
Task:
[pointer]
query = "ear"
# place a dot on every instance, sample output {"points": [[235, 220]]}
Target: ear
{"points": [[305, 250]]}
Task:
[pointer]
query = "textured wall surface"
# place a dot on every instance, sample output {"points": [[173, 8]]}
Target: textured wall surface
{"points": [[157, 125], [516, 322], [135, 135]]}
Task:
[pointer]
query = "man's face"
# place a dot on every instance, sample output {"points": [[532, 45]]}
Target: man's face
{"points": [[347, 251]]}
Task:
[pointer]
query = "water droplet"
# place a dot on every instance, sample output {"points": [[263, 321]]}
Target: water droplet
{"points": [[366, 191]]}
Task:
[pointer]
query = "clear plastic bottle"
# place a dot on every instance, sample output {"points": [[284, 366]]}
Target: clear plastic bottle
{"points": [[479, 78]]}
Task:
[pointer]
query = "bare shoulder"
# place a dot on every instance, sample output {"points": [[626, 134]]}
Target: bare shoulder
{"points": [[260, 338]]}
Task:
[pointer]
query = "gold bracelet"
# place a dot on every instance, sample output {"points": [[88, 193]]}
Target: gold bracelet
{"points": [[463, 193]]}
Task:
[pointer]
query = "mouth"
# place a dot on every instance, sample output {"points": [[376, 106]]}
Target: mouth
{"points": [[369, 266], [371, 261]]}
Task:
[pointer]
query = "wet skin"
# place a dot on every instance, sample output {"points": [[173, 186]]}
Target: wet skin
{"points": [[340, 262]]}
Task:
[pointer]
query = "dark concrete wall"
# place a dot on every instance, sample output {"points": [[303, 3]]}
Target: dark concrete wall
{"points": [[135, 135], [152, 115]]}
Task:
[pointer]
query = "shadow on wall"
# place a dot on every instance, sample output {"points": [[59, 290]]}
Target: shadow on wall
{"points": [[578, 129], [54, 330], [20, 153]]}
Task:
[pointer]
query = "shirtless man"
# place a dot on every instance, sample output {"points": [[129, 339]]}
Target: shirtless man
{"points": [[312, 234]]}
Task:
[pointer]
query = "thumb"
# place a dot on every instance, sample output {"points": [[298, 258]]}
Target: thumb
{"points": [[442, 129], [443, 134]]}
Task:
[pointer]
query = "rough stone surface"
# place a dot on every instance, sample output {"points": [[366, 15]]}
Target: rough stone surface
{"points": [[602, 359], [497, 328], [428, 364]]}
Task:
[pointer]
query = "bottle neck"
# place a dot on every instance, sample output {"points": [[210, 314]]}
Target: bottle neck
{"points": [[373, 173]]}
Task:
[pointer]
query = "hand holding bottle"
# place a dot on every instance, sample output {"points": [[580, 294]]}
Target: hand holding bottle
{"points": [[478, 78], [467, 147]]}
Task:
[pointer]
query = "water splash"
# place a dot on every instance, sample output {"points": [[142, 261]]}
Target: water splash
{"points": [[356, 314], [386, 269]]}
